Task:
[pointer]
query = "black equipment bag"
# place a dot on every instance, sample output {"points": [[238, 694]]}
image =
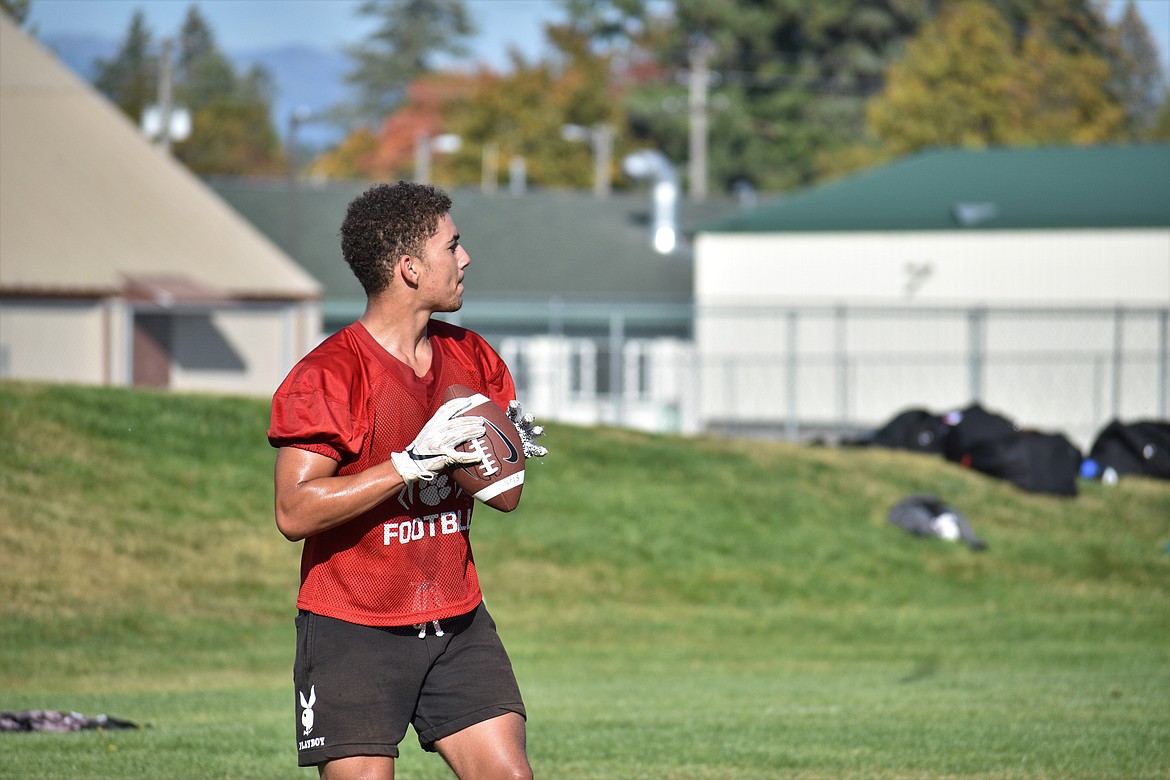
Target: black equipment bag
{"points": [[992, 444], [914, 429], [1139, 448]]}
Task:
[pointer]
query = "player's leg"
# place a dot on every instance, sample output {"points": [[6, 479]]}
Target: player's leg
{"points": [[489, 750], [356, 687], [358, 768], [470, 710]]}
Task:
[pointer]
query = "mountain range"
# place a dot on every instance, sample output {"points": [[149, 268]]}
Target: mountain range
{"points": [[304, 77]]}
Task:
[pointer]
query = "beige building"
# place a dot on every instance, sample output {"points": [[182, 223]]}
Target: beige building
{"points": [[119, 267]]}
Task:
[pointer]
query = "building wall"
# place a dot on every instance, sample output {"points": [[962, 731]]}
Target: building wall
{"points": [[54, 341], [1057, 268], [246, 349], [1058, 330]]}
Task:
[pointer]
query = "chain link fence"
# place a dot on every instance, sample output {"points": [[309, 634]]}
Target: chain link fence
{"points": [[806, 372]]}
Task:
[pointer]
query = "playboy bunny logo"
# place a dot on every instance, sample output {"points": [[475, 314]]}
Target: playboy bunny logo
{"points": [[307, 712]]}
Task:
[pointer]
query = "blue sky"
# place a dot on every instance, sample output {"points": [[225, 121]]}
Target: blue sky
{"points": [[250, 24]]}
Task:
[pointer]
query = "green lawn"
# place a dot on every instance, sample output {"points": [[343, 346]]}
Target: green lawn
{"points": [[675, 608]]}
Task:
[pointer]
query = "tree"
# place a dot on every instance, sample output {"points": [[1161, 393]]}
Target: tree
{"points": [[498, 117], [410, 34], [1141, 84], [1160, 130], [789, 79], [1073, 26], [966, 81], [349, 159], [17, 10], [203, 72], [130, 79], [1063, 96], [231, 126]]}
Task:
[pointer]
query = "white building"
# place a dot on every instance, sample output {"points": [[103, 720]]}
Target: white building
{"points": [[1035, 281]]}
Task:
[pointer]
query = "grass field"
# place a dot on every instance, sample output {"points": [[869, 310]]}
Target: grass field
{"points": [[687, 609]]}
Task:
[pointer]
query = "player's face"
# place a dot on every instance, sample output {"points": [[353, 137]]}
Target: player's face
{"points": [[444, 260]]}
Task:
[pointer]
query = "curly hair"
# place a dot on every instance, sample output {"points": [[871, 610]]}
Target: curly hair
{"points": [[386, 222]]}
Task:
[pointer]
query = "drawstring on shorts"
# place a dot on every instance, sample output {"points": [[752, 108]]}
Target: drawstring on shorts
{"points": [[422, 629]]}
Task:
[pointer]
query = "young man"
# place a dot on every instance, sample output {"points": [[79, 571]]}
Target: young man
{"points": [[391, 628]]}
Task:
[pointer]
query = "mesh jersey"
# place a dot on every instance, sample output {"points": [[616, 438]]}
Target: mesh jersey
{"points": [[409, 559]]}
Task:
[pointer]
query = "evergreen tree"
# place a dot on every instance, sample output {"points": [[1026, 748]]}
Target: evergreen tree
{"points": [[231, 126], [410, 33], [130, 79], [203, 72], [790, 80], [1160, 129], [17, 10], [1141, 83]]}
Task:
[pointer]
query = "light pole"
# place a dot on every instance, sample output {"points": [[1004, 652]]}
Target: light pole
{"points": [[600, 138], [298, 117], [425, 146], [164, 121], [699, 81]]}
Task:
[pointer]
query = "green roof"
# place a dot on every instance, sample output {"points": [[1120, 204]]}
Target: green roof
{"points": [[538, 245], [993, 189]]}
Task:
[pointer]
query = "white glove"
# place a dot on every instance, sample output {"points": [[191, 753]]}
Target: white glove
{"points": [[527, 431], [434, 448]]}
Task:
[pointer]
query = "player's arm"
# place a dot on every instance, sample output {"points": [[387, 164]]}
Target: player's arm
{"points": [[311, 497]]}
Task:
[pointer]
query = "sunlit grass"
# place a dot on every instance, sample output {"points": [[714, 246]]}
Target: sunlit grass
{"points": [[675, 608]]}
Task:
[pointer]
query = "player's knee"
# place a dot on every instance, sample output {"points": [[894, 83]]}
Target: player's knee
{"points": [[520, 772]]}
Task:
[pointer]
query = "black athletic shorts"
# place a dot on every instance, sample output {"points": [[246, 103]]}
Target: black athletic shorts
{"points": [[357, 687]]}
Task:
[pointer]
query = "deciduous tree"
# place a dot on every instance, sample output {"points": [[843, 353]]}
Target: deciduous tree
{"points": [[968, 79]]}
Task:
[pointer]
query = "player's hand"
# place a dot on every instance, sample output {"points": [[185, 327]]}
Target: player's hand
{"points": [[528, 432], [434, 448]]}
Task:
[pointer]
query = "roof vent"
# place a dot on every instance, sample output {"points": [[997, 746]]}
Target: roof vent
{"points": [[971, 214]]}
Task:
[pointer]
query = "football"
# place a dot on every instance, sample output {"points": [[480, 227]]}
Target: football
{"points": [[498, 480]]}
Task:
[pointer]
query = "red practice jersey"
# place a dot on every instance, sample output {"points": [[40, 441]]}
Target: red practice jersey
{"points": [[407, 560]]}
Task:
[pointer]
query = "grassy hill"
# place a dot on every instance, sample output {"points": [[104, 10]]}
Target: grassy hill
{"points": [[676, 608]]}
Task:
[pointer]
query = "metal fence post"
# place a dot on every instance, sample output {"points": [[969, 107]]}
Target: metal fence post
{"points": [[975, 357], [617, 338], [1118, 358], [1163, 362], [841, 358], [791, 425]]}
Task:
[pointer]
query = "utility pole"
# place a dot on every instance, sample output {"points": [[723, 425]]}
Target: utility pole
{"points": [[165, 96], [700, 79], [601, 139], [298, 117]]}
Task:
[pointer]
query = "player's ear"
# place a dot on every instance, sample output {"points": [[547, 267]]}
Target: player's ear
{"points": [[407, 268]]}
